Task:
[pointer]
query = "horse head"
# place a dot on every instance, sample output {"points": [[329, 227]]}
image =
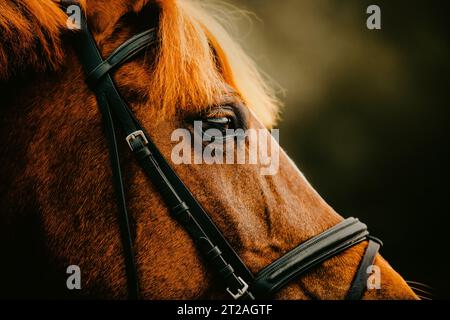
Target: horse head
{"points": [[57, 199]]}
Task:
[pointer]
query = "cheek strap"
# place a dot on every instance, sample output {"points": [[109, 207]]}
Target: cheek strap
{"points": [[211, 243]]}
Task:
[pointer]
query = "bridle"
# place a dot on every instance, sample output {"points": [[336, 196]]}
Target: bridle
{"points": [[237, 279]]}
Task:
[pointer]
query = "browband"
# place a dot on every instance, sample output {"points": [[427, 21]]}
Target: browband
{"points": [[127, 51]]}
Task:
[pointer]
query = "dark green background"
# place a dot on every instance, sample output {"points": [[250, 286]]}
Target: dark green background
{"points": [[366, 115]]}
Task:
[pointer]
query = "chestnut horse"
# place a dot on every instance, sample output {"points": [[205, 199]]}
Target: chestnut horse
{"points": [[56, 197]]}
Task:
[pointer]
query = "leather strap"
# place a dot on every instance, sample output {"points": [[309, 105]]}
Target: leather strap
{"points": [[127, 51], [124, 223], [308, 255], [90, 58], [182, 204], [359, 283], [211, 243]]}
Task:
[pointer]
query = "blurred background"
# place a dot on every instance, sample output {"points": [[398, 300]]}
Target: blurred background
{"points": [[366, 115]]}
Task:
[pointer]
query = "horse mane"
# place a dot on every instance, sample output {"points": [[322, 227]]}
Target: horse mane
{"points": [[31, 36], [195, 53]]}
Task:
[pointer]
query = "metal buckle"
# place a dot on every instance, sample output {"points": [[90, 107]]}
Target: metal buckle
{"points": [[241, 291], [135, 135]]}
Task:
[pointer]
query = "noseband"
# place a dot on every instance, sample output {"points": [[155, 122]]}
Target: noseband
{"points": [[236, 278]]}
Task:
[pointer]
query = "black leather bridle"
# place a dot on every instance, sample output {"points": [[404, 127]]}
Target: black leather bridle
{"points": [[237, 279]]}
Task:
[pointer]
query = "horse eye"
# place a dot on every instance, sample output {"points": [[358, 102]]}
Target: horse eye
{"points": [[219, 121]]}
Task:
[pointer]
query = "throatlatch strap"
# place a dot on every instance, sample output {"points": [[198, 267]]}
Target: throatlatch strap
{"points": [[124, 223], [90, 58]]}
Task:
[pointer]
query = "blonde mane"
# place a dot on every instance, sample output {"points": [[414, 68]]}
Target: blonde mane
{"points": [[197, 54], [195, 60]]}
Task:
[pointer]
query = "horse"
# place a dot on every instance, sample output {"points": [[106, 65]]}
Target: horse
{"points": [[57, 201]]}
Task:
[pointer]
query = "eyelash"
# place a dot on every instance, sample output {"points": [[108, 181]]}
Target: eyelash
{"points": [[222, 118]]}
